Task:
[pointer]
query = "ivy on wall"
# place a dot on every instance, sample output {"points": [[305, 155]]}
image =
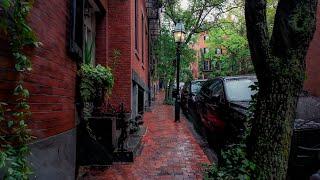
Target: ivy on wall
{"points": [[14, 133]]}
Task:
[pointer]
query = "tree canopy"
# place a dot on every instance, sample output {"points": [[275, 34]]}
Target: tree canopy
{"points": [[200, 15], [165, 50], [235, 57]]}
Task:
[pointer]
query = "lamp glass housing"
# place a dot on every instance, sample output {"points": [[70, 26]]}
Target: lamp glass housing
{"points": [[179, 33]]}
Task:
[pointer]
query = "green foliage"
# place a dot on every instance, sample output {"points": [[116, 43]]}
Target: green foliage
{"points": [[93, 81], [14, 133], [235, 58], [168, 102], [93, 78], [195, 16], [232, 165], [271, 11], [116, 54], [165, 49]]}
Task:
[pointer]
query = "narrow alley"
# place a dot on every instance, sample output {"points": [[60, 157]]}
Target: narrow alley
{"points": [[170, 151]]}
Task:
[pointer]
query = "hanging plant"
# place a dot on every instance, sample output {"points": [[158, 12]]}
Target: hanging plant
{"points": [[93, 79], [14, 133]]}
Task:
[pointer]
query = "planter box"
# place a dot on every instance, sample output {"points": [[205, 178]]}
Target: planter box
{"points": [[97, 150]]}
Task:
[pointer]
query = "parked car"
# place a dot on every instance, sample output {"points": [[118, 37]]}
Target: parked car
{"points": [[305, 146], [175, 92], [222, 105], [181, 85], [189, 92]]}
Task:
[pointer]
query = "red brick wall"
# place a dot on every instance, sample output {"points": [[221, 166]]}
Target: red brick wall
{"points": [[140, 67], [312, 83], [197, 47], [102, 38], [52, 81], [119, 36]]}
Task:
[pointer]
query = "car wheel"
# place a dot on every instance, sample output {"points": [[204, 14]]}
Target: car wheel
{"points": [[214, 139]]}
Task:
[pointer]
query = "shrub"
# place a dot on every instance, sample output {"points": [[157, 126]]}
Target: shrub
{"points": [[93, 79], [233, 164]]}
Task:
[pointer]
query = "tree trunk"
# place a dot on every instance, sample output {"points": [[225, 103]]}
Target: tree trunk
{"points": [[280, 68], [270, 138], [168, 91]]}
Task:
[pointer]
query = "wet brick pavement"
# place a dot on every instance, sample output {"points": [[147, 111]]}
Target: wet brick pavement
{"points": [[170, 151]]}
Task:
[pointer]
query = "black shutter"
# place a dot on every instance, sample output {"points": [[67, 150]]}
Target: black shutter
{"points": [[76, 28]]}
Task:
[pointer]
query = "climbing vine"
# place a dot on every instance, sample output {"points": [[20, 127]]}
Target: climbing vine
{"points": [[14, 133]]}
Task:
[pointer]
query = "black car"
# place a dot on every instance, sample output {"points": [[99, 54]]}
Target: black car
{"points": [[189, 91], [305, 147], [222, 105]]}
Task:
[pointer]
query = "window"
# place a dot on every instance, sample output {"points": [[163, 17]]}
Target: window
{"points": [[218, 51], [217, 89], [207, 65], [136, 23], [195, 86], [89, 25], [205, 89], [205, 37], [239, 89], [205, 50], [76, 28], [83, 28]]}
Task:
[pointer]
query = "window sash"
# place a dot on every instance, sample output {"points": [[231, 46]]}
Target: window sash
{"points": [[76, 29]]}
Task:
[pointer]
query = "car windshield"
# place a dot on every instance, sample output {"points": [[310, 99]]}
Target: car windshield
{"points": [[196, 86], [239, 90]]}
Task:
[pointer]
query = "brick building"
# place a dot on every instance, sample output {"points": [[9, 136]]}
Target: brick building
{"points": [[203, 67], [64, 28], [312, 83]]}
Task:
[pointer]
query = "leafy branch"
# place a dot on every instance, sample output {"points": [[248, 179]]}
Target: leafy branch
{"points": [[200, 16]]}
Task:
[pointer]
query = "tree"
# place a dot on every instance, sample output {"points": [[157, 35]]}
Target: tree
{"points": [[165, 50], [235, 58], [200, 16], [279, 63]]}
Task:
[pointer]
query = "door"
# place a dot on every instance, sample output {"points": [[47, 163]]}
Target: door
{"points": [[202, 99], [140, 101], [212, 107]]}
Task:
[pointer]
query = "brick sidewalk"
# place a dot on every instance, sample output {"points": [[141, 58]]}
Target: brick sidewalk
{"points": [[170, 151]]}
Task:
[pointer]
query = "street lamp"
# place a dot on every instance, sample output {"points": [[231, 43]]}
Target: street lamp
{"points": [[179, 37]]}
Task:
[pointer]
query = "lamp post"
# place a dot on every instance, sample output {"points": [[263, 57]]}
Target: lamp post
{"points": [[179, 37]]}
